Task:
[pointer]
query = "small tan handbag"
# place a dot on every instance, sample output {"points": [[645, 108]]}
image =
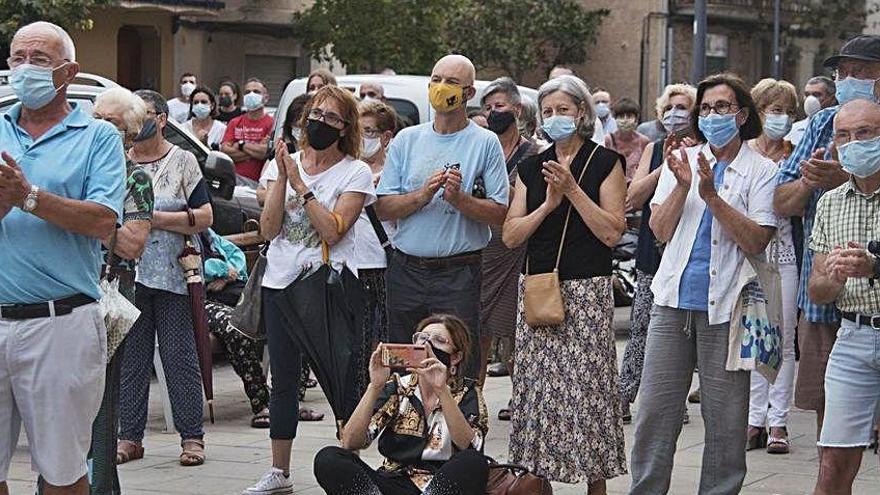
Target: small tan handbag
{"points": [[542, 295]]}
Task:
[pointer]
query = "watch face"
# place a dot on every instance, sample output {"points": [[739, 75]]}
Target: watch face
{"points": [[30, 204]]}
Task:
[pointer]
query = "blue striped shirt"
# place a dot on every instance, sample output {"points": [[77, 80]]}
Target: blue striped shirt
{"points": [[817, 135]]}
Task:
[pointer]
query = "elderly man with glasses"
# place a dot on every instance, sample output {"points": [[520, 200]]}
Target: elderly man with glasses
{"points": [[62, 186], [844, 273], [811, 170]]}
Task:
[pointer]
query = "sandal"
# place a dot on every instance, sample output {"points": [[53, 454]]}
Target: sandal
{"points": [[261, 419], [126, 451], [309, 414], [777, 445], [193, 452]]}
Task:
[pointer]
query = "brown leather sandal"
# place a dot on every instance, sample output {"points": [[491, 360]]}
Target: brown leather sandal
{"points": [[193, 452], [126, 451]]}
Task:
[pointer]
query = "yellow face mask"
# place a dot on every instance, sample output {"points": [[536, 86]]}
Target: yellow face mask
{"points": [[445, 97]]}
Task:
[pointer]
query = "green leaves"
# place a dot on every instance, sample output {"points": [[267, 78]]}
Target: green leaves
{"points": [[515, 36], [65, 13]]}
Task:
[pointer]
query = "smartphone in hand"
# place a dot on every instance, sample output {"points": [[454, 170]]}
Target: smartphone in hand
{"points": [[403, 355]]}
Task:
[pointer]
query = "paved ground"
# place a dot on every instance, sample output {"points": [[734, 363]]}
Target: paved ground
{"points": [[238, 455]]}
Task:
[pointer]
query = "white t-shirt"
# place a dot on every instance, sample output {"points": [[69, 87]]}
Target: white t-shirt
{"points": [[178, 110], [298, 246], [215, 135], [370, 253]]}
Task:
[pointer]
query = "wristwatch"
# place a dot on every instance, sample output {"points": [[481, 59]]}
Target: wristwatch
{"points": [[30, 201], [241, 145], [305, 198]]}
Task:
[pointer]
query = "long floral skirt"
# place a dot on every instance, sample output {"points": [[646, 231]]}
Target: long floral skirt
{"points": [[566, 406]]}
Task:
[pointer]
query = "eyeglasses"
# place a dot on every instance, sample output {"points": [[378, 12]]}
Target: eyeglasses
{"points": [[329, 118], [421, 338], [38, 60], [721, 108], [860, 134], [371, 132]]}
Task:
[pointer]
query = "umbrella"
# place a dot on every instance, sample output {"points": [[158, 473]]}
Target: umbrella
{"points": [[191, 261], [324, 310]]}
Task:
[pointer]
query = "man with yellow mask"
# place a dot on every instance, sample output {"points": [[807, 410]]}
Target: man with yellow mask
{"points": [[444, 183]]}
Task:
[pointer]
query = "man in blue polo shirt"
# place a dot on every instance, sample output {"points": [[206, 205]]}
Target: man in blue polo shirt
{"points": [[444, 182], [62, 178]]}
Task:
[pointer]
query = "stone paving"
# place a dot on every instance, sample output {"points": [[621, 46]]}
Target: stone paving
{"points": [[238, 455]]}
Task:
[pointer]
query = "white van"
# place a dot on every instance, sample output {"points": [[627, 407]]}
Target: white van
{"points": [[407, 94]]}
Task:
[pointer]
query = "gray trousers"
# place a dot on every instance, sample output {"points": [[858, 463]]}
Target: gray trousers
{"points": [[670, 356]]}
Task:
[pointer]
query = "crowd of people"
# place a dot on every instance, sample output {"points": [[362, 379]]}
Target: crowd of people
{"points": [[491, 224]]}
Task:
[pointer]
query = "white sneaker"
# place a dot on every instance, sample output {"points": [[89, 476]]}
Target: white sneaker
{"points": [[272, 483]]}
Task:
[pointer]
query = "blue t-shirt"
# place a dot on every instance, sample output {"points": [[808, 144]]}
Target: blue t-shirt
{"points": [[694, 286], [438, 229], [82, 159]]}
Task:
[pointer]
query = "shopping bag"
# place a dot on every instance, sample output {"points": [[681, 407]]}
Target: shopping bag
{"points": [[755, 339], [119, 314]]}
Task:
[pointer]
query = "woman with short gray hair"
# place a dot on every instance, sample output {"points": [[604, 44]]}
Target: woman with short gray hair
{"points": [[126, 112], [502, 105], [568, 208]]}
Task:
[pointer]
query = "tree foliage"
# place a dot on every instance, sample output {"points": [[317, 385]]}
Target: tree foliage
{"points": [[65, 13], [515, 36]]}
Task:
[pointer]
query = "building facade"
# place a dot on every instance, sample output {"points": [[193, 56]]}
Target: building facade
{"points": [[149, 44]]}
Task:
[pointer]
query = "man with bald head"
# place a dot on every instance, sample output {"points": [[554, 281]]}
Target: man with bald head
{"points": [[803, 178], [444, 183], [845, 273], [62, 178], [371, 91]]}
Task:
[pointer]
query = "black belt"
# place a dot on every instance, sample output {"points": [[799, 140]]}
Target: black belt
{"points": [[43, 310], [462, 259], [860, 319]]}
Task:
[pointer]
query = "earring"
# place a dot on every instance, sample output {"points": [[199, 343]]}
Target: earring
{"points": [[453, 370]]}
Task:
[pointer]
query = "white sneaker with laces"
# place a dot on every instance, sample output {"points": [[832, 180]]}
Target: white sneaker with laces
{"points": [[272, 483]]}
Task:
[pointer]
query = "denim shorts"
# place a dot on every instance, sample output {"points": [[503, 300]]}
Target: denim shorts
{"points": [[852, 387]]}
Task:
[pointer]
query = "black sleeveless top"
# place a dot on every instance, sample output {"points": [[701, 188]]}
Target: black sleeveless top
{"points": [[584, 255], [647, 253]]}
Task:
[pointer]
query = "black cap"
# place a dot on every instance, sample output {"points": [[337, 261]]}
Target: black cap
{"points": [[862, 47]]}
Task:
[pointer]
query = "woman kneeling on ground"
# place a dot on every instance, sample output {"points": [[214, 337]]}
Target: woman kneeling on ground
{"points": [[431, 425]]}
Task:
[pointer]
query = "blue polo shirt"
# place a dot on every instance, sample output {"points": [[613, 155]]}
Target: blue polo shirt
{"points": [[438, 229], [82, 159]]}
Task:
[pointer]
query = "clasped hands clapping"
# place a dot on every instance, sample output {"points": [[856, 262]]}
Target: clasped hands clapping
{"points": [[681, 168], [14, 187], [852, 261]]}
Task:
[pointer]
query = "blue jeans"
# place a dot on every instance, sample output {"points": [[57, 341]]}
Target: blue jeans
{"points": [[285, 361], [852, 387]]}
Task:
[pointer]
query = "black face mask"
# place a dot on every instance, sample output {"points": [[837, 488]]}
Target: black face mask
{"points": [[225, 101], [499, 122], [147, 131], [442, 356], [321, 135]]}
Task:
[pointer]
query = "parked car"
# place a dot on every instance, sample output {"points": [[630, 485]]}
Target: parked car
{"points": [[407, 94], [231, 210]]}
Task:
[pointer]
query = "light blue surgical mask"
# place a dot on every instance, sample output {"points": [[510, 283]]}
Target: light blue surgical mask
{"points": [[719, 129], [559, 127], [602, 110], [851, 89], [777, 125], [201, 110], [860, 158], [252, 101], [33, 85]]}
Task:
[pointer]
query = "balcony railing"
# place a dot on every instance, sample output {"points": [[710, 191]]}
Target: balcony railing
{"points": [[735, 7], [204, 4]]}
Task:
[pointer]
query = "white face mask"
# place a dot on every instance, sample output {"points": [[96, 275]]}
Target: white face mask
{"points": [[186, 89], [371, 146], [812, 105]]}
